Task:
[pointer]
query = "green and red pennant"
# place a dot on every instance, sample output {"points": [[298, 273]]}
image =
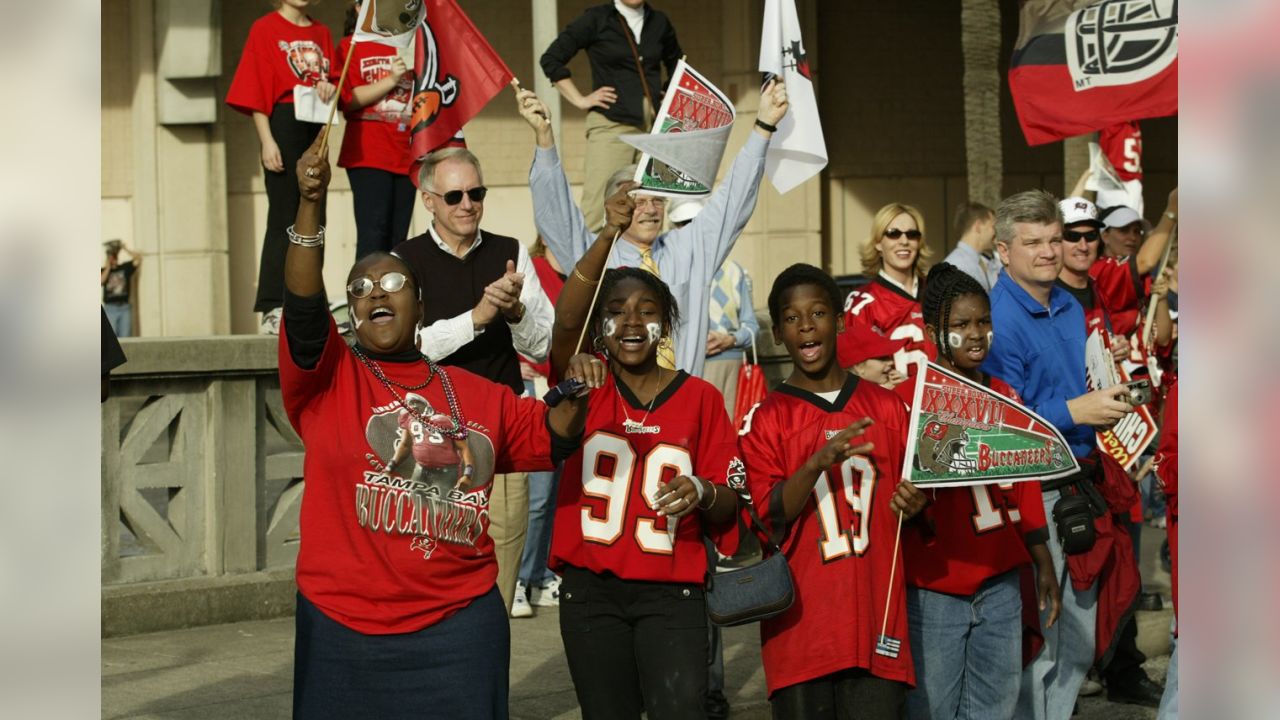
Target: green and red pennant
{"points": [[963, 433]]}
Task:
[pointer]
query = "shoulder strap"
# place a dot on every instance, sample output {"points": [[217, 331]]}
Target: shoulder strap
{"points": [[635, 55]]}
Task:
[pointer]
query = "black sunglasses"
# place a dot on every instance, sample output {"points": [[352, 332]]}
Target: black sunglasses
{"points": [[453, 197], [362, 287], [1078, 235], [895, 233]]}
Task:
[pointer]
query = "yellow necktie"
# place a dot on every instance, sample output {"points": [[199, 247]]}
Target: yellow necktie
{"points": [[666, 356]]}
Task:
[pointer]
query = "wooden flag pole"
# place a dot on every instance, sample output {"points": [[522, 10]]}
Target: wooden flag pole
{"points": [[1148, 330], [337, 95]]}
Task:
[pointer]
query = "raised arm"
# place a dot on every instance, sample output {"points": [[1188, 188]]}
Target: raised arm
{"points": [[1152, 250], [303, 264], [556, 215], [573, 308]]}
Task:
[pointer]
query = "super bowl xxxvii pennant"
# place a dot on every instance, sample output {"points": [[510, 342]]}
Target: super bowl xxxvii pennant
{"points": [[963, 433]]}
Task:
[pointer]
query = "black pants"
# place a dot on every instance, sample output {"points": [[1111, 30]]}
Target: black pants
{"points": [[853, 694], [293, 137], [634, 646], [383, 204]]}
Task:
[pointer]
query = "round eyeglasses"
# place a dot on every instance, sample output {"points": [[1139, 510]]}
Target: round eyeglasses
{"points": [[362, 287]]}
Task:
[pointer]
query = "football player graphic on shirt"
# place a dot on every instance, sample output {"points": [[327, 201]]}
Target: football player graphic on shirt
{"points": [[440, 461]]}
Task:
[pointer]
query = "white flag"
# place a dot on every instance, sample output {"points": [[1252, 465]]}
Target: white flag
{"points": [[797, 151]]}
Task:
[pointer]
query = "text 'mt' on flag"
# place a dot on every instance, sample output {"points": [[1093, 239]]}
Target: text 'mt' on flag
{"points": [[963, 433], [798, 150], [456, 73], [1083, 65]]}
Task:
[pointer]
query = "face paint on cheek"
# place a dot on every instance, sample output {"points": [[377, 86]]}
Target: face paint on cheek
{"points": [[608, 327], [991, 338], [355, 321], [655, 331], [954, 339]]}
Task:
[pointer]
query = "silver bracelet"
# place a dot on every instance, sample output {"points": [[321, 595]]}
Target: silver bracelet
{"points": [[316, 240]]}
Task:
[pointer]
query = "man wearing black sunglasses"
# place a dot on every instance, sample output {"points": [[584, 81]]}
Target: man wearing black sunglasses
{"points": [[1081, 239], [483, 304]]}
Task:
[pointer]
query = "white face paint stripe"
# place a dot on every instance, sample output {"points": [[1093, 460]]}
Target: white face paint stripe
{"points": [[609, 327], [655, 331]]}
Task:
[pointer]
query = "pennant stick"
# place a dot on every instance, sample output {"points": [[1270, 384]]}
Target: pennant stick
{"points": [[583, 335], [893, 567], [337, 94]]}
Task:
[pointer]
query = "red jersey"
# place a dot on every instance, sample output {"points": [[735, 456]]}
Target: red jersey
{"points": [[840, 546], [605, 516], [377, 135], [1122, 144], [967, 535], [1121, 289], [382, 550], [277, 56], [890, 312]]}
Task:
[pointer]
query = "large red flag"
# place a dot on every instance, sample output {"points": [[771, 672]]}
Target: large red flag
{"points": [[1082, 65], [456, 74]]}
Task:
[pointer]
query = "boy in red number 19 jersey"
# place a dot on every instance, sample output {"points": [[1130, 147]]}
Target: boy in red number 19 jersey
{"points": [[833, 504]]}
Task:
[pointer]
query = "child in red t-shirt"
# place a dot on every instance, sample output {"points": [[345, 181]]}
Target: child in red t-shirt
{"points": [[375, 144], [962, 557], [285, 48]]}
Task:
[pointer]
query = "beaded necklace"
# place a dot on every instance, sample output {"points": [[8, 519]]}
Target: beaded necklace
{"points": [[459, 429]]}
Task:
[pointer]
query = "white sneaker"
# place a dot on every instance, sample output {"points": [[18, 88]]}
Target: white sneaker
{"points": [[546, 594], [519, 604], [270, 322]]}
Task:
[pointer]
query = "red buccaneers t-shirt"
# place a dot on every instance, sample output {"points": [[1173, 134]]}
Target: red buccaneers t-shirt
{"points": [[277, 56], [377, 135], [970, 534], [396, 551], [890, 312], [605, 517], [840, 546], [430, 448]]}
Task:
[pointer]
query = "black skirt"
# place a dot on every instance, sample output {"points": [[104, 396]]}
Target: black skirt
{"points": [[456, 669]]}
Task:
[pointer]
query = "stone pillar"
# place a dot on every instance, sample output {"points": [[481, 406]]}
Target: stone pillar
{"points": [[1075, 160], [546, 26]]}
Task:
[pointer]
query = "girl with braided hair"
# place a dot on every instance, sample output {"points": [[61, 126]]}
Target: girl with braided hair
{"points": [[963, 560], [635, 502]]}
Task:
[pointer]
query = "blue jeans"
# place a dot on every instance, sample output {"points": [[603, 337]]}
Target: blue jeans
{"points": [[1053, 679], [1169, 702], [967, 651], [542, 510], [120, 315]]}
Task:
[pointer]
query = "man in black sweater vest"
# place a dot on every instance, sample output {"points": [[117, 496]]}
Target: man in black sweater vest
{"points": [[483, 304]]}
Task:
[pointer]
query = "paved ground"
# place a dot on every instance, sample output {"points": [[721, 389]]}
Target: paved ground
{"points": [[243, 671]]}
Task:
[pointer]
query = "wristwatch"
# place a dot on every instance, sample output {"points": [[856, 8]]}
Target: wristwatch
{"points": [[519, 317]]}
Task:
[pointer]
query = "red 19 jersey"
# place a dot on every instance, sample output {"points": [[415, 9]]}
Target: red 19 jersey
{"points": [[606, 519], [891, 313], [967, 535], [840, 547]]}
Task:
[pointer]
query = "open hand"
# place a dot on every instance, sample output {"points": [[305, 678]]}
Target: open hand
{"points": [[271, 159], [840, 447], [603, 97], [680, 496]]}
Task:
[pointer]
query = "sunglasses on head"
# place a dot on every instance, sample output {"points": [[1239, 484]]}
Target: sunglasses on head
{"points": [[453, 197], [895, 233], [362, 287], [1078, 235]]}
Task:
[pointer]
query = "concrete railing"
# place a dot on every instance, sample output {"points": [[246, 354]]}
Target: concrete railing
{"points": [[201, 486], [202, 483]]}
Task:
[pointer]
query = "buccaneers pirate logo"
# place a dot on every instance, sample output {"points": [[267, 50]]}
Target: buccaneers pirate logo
{"points": [[943, 449], [430, 93]]}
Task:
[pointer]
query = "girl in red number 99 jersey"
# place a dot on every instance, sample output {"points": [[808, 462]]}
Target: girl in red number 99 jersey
{"points": [[636, 501], [890, 304]]}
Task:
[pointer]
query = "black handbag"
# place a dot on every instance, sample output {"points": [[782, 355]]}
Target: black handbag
{"points": [[753, 593]]}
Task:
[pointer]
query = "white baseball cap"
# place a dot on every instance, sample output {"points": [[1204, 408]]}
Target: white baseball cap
{"points": [[685, 209], [1121, 215], [1077, 210]]}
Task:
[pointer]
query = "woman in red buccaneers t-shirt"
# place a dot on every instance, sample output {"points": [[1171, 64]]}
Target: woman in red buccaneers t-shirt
{"points": [[375, 145], [285, 48], [398, 615]]}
